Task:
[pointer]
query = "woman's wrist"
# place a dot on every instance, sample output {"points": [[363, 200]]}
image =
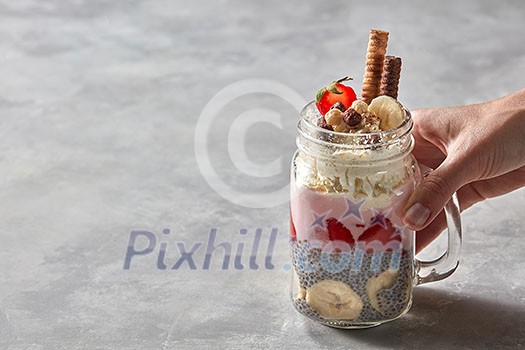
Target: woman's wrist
{"points": [[514, 101]]}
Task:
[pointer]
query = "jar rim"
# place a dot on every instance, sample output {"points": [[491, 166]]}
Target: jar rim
{"points": [[308, 128]]}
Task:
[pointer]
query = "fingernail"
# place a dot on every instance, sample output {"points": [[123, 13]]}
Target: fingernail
{"points": [[416, 215]]}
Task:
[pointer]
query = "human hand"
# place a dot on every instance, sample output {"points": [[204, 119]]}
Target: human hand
{"points": [[477, 151]]}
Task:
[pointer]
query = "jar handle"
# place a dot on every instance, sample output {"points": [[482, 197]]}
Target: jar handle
{"points": [[444, 266]]}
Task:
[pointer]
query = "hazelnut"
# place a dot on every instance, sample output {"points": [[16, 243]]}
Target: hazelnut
{"points": [[333, 117], [360, 106], [352, 118], [339, 106]]}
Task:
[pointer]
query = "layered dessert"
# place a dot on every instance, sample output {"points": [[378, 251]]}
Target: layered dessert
{"points": [[352, 256]]}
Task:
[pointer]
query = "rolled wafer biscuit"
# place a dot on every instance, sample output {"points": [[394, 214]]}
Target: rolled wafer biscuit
{"points": [[375, 57], [390, 78]]}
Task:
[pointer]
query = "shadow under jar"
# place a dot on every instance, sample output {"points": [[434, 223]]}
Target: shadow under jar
{"points": [[353, 259]]}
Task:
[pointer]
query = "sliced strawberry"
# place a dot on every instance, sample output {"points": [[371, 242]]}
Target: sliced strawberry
{"points": [[335, 92], [377, 232], [293, 233], [338, 232], [318, 234]]}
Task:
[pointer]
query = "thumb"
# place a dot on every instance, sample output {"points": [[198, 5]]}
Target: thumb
{"points": [[431, 195]]}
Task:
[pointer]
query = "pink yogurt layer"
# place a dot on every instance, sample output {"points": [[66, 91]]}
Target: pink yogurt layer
{"points": [[311, 209]]}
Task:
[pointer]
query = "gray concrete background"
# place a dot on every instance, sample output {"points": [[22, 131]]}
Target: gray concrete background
{"points": [[99, 101]]}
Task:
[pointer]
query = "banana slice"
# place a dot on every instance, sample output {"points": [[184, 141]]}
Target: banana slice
{"points": [[388, 110], [301, 293], [333, 299], [384, 280]]}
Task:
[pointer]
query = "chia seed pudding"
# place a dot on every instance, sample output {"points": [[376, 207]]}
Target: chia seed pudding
{"points": [[313, 266]]}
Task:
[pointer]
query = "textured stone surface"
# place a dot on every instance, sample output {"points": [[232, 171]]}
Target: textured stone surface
{"points": [[99, 103]]}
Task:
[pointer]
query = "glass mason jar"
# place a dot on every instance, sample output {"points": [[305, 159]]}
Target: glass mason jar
{"points": [[353, 260]]}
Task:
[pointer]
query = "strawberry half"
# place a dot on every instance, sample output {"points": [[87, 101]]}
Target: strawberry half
{"points": [[293, 233], [335, 92], [377, 232], [338, 232]]}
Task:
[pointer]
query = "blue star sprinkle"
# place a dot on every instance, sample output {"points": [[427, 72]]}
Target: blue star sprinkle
{"points": [[353, 209]]}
